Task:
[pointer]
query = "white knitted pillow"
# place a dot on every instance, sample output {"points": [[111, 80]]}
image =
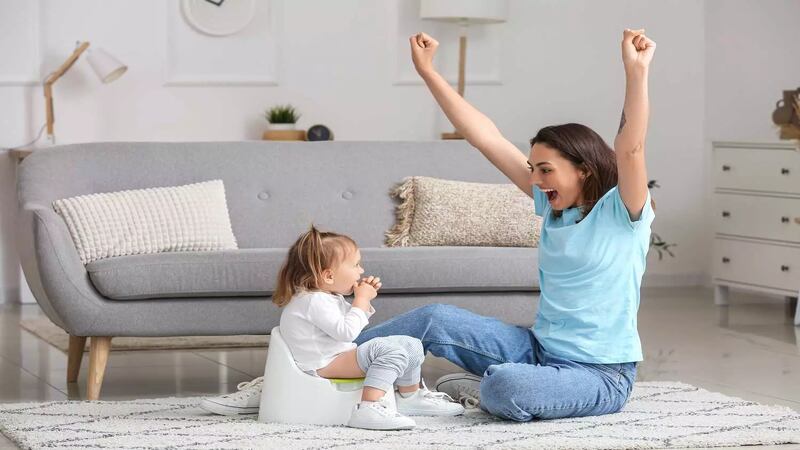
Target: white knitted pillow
{"points": [[193, 217]]}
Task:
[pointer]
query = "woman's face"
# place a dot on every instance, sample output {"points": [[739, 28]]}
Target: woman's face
{"points": [[556, 176]]}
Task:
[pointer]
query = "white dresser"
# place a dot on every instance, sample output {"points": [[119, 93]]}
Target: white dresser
{"points": [[756, 204]]}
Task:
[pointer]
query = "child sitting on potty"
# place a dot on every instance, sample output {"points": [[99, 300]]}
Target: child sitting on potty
{"points": [[319, 327]]}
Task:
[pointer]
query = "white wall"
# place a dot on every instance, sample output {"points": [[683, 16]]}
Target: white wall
{"points": [[344, 64], [751, 56], [564, 65]]}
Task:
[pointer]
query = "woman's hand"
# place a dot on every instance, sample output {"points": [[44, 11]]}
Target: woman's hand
{"points": [[637, 50], [423, 47]]}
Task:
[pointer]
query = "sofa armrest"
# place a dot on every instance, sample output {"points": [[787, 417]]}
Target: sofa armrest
{"points": [[63, 277]]}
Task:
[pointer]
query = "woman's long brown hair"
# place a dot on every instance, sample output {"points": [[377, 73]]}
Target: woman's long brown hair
{"points": [[587, 151]]}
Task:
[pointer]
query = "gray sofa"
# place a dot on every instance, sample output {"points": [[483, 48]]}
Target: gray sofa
{"points": [[274, 191]]}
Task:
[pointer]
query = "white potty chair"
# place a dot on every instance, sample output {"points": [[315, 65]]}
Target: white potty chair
{"points": [[289, 395]]}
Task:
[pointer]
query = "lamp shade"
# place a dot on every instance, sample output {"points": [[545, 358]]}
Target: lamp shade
{"points": [[105, 66], [464, 11]]}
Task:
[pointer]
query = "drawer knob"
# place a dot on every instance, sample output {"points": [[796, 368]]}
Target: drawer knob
{"points": [[726, 260], [784, 171], [784, 219], [726, 168], [726, 214], [784, 268]]}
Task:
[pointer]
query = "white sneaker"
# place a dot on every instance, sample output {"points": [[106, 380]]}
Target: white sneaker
{"points": [[379, 416], [464, 387], [427, 403], [245, 401]]}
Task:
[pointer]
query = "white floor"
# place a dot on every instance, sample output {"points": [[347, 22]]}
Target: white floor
{"points": [[749, 350]]}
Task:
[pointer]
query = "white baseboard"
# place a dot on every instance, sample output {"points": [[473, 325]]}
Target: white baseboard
{"points": [[10, 295], [21, 294], [25, 294]]}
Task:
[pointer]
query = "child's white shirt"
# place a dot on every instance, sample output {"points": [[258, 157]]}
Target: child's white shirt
{"points": [[318, 326]]}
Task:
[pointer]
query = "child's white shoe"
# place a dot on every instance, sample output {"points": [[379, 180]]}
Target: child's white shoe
{"points": [[379, 416], [427, 403], [245, 401]]}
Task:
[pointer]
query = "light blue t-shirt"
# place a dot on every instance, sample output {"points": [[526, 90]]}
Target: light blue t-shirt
{"points": [[590, 273]]}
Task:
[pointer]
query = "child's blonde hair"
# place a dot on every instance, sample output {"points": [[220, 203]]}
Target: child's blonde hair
{"points": [[313, 252]]}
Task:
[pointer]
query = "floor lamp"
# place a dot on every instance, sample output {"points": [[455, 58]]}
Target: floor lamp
{"points": [[463, 13], [104, 65]]}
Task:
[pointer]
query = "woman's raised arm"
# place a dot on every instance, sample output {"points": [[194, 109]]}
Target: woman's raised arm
{"points": [[637, 52], [476, 128]]}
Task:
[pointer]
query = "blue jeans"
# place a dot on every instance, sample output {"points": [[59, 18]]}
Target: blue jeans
{"points": [[521, 381]]}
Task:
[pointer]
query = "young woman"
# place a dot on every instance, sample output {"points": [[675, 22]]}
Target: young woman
{"points": [[580, 356]]}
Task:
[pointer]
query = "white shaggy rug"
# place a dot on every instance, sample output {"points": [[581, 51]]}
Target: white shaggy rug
{"points": [[660, 415]]}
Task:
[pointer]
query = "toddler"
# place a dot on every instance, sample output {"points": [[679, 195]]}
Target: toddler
{"points": [[319, 327]]}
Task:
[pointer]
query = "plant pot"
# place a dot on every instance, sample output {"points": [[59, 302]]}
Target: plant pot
{"points": [[282, 126], [283, 132], [284, 135], [789, 132]]}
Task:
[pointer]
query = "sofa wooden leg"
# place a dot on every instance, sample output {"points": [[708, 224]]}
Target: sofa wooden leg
{"points": [[98, 357], [74, 357]]}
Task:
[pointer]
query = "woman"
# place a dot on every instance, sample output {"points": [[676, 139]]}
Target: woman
{"points": [[580, 356]]}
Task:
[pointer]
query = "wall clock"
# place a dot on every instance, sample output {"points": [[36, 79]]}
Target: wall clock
{"points": [[218, 17]]}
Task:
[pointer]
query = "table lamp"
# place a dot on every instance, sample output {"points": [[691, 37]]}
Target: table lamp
{"points": [[106, 67], [463, 13]]}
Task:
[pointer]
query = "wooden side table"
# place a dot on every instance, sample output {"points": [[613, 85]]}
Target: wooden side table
{"points": [[20, 153]]}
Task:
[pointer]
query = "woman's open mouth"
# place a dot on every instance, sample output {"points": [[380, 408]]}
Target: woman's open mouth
{"points": [[552, 194]]}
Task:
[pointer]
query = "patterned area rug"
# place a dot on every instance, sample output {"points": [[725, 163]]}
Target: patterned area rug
{"points": [[49, 332], [660, 415]]}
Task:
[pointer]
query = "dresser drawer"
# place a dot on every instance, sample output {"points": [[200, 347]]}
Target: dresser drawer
{"points": [[757, 264], [760, 217], [769, 170]]}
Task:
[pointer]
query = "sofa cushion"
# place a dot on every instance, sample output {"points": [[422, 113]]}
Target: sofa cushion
{"points": [[252, 272], [192, 217], [435, 212]]}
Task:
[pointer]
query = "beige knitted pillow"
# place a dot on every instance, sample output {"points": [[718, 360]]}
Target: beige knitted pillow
{"points": [[442, 212], [193, 217]]}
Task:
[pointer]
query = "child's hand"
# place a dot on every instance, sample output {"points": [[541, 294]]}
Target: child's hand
{"points": [[364, 291], [374, 281]]}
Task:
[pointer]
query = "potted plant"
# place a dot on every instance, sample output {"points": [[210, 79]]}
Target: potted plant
{"points": [[656, 243], [282, 117], [282, 120]]}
